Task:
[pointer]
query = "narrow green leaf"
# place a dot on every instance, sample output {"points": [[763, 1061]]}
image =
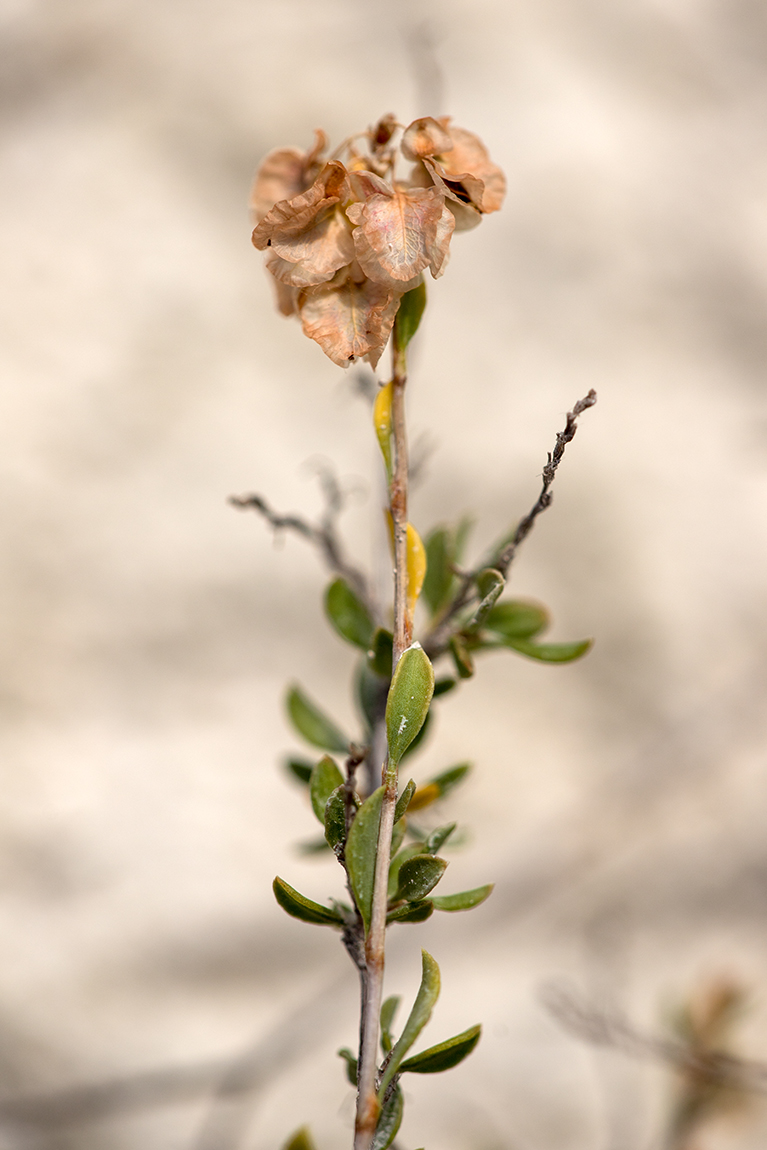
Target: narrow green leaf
{"points": [[351, 1064], [409, 314], [406, 853], [301, 769], [301, 1140], [361, 853], [398, 834], [411, 912], [335, 818], [315, 727], [299, 906], [552, 652], [465, 900], [463, 530], [403, 802], [348, 614], [380, 653], [464, 664], [325, 778], [389, 1121], [428, 993], [388, 1010], [371, 693], [440, 555], [438, 837], [445, 1055], [517, 619], [418, 875], [450, 778], [442, 686], [490, 584], [422, 735], [409, 699]]}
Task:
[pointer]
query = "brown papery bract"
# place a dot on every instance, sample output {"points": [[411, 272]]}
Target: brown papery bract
{"points": [[289, 217], [397, 233], [349, 318]]}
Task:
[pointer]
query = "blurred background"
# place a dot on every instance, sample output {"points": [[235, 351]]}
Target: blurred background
{"points": [[152, 994]]}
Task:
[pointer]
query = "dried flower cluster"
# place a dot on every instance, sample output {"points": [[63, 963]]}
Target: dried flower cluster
{"points": [[345, 241]]}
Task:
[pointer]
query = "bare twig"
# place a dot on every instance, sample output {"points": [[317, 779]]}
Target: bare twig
{"points": [[323, 535], [503, 555]]}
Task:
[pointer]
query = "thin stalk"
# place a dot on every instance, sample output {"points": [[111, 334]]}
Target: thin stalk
{"points": [[368, 1107]]}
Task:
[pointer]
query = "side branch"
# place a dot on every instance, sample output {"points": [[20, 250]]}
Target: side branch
{"points": [[323, 536]]}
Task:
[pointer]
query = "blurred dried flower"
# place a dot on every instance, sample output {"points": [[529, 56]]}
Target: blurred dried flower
{"points": [[345, 241]]}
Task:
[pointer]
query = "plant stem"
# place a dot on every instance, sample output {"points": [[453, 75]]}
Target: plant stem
{"points": [[372, 980]]}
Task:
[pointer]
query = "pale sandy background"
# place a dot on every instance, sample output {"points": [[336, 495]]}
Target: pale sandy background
{"points": [[149, 630]]}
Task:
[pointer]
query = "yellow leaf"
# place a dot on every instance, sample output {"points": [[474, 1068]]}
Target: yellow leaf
{"points": [[382, 424], [416, 567]]}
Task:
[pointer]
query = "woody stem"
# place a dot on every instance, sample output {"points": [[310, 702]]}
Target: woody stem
{"points": [[368, 1107]]}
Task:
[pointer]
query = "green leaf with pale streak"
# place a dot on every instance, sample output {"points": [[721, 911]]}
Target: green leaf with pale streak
{"points": [[351, 1064], [490, 584], [438, 837], [428, 993], [420, 737], [299, 906], [465, 900], [348, 614], [464, 664], [315, 727], [300, 769], [440, 555], [403, 802], [380, 653], [335, 818], [388, 1010], [361, 853], [409, 314], [411, 912], [325, 778], [409, 698], [406, 853], [389, 1121], [517, 619], [445, 1055], [442, 686], [301, 1140], [552, 652], [418, 875]]}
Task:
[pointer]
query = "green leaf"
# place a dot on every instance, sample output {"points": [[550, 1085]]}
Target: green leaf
{"points": [[397, 835], [406, 853], [517, 619], [438, 837], [418, 875], [411, 912], [299, 906], [409, 698], [388, 1010], [380, 653], [409, 314], [389, 1121], [464, 664], [463, 901], [361, 854], [335, 818], [428, 993], [450, 778], [301, 769], [325, 778], [420, 737], [371, 693], [301, 1140], [440, 555], [445, 1055], [552, 652], [442, 686], [348, 614], [351, 1064], [403, 802], [315, 727], [490, 584]]}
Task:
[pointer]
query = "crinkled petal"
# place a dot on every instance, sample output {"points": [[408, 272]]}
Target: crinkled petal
{"points": [[289, 217], [467, 159], [319, 250], [396, 233], [440, 249], [349, 319], [425, 137]]}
